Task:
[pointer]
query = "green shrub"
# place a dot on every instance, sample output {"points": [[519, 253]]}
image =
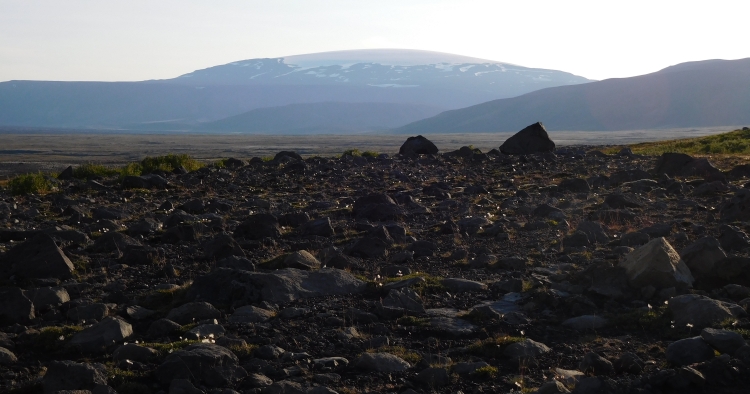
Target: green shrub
{"points": [[357, 152], [30, 183], [91, 170], [51, 339], [169, 162], [134, 169]]}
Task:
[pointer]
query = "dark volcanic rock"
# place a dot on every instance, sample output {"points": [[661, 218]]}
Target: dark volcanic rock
{"points": [[680, 164], [38, 257], [377, 207], [202, 363], [70, 375], [262, 225], [532, 139], [418, 146], [15, 306]]}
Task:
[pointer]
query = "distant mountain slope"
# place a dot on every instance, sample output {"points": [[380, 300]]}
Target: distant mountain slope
{"points": [[327, 117], [695, 94], [385, 76]]}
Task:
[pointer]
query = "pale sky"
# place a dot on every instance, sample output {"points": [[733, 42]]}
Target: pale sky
{"points": [[130, 40]]}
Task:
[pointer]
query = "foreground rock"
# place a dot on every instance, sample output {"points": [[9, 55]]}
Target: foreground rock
{"points": [[532, 139], [39, 257], [202, 363], [418, 146], [657, 264], [224, 285]]}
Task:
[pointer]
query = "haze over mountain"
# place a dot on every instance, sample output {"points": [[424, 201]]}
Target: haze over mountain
{"points": [[415, 80], [694, 94]]}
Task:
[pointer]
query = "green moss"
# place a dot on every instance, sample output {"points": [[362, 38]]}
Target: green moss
{"points": [[657, 321], [30, 183], [52, 339], [488, 372], [164, 299], [413, 321], [492, 347]]}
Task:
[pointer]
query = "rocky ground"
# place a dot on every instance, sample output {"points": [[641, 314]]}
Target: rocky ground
{"points": [[523, 269]]}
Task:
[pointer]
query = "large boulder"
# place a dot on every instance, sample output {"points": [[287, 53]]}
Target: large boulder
{"points": [[223, 286], [258, 226], [193, 312], [689, 351], [38, 257], [203, 363], [737, 208], [15, 307], [377, 207], [680, 164], [702, 255], [70, 375], [418, 146], [656, 264], [532, 139], [101, 336], [701, 311]]}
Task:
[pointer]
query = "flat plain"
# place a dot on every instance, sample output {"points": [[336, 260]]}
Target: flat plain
{"points": [[32, 151]]}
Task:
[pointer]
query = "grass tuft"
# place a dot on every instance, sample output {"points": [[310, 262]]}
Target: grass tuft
{"points": [[492, 347], [731, 143]]}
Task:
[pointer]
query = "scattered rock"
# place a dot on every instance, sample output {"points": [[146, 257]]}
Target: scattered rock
{"points": [[656, 264], [532, 139]]}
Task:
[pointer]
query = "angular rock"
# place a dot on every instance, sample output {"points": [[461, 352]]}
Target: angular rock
{"points": [[689, 351], [530, 140], [656, 264], [258, 226], [7, 357], [101, 336], [193, 311], [301, 259], [15, 307], [222, 246], [596, 364], [417, 146], [463, 285], [251, 314], [321, 227], [223, 286], [377, 207], [381, 362], [701, 257], [38, 257], [70, 375], [680, 164], [201, 363], [724, 341], [702, 311], [526, 350]]}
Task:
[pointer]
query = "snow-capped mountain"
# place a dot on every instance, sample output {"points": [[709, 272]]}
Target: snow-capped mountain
{"points": [[397, 83], [385, 68]]}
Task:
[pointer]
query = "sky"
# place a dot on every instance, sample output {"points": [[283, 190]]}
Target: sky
{"points": [[131, 40]]}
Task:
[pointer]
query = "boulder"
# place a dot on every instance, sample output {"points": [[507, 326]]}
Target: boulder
{"points": [[202, 363], [134, 352], [737, 208], [15, 307], [70, 375], [377, 207], [724, 341], [101, 336], [222, 246], [381, 362], [258, 226], [532, 139], [321, 227], [113, 241], [680, 164], [417, 146], [656, 264], [223, 286], [525, 350], [701, 257], [251, 314], [193, 312], [459, 285], [301, 259], [702, 311], [596, 365], [46, 298], [38, 257], [689, 351]]}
